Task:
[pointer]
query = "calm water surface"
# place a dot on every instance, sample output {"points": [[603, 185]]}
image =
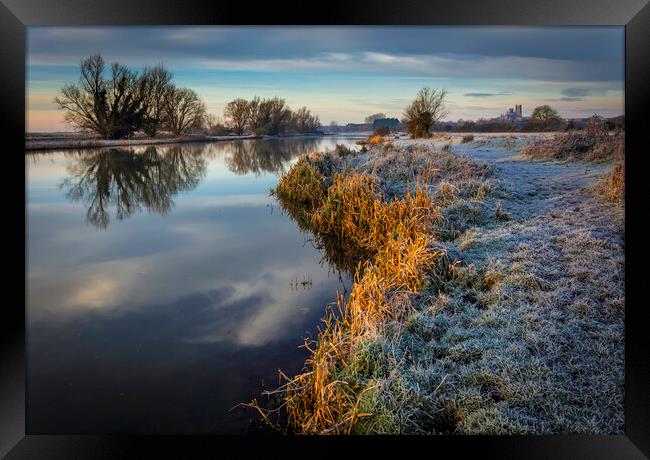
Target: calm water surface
{"points": [[165, 285]]}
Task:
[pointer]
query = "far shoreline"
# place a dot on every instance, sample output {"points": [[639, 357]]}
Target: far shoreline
{"points": [[71, 143], [71, 140]]}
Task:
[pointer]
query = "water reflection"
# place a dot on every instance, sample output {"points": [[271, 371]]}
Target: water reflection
{"points": [[149, 328], [130, 181], [339, 254], [263, 156]]}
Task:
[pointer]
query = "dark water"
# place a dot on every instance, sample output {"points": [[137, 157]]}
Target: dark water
{"points": [[165, 286]]}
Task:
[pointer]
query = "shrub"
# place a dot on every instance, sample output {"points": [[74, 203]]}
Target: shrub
{"points": [[612, 186], [578, 145], [372, 140], [425, 111]]}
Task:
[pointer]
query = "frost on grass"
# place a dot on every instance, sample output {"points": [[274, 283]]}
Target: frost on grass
{"points": [[527, 337], [522, 333], [579, 146]]}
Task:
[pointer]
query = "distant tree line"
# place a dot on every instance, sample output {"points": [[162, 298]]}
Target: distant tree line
{"points": [[424, 114], [268, 116], [115, 101]]}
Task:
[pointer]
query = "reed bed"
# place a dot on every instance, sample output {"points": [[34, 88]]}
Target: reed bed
{"points": [[397, 256], [398, 235], [461, 318]]}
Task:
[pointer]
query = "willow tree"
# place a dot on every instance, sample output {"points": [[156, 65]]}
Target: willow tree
{"points": [[425, 111], [108, 102]]}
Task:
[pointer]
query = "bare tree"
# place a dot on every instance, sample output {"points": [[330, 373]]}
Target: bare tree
{"points": [[112, 107], [303, 121], [238, 112], [158, 83], [183, 110], [280, 115], [425, 111]]}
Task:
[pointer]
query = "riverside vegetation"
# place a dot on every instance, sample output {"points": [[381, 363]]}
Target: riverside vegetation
{"points": [[594, 144], [458, 320]]}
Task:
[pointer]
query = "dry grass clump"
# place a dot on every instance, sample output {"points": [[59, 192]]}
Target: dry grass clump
{"points": [[399, 169], [578, 146], [372, 140], [467, 138], [348, 385], [397, 234], [353, 210], [302, 184], [441, 137], [612, 186]]}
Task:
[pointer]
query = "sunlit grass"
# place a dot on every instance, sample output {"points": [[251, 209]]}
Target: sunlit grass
{"points": [[396, 238]]}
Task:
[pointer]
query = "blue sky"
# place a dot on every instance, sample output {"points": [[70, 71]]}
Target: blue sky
{"points": [[347, 73]]}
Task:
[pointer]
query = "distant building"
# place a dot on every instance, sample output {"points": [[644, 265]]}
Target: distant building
{"points": [[391, 123], [513, 115]]}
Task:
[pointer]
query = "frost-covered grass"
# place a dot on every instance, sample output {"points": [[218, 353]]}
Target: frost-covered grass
{"points": [[521, 332], [527, 337], [578, 146]]}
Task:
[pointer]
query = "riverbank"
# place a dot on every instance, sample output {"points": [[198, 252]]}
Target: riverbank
{"points": [[495, 305], [71, 140], [61, 141]]}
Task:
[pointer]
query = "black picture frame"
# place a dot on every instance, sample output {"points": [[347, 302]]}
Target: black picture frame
{"points": [[16, 15]]}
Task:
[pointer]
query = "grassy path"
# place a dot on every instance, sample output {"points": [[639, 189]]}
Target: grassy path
{"points": [[545, 341]]}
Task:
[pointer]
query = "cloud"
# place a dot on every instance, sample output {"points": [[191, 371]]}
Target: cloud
{"points": [[579, 94], [566, 43], [567, 99], [422, 65], [576, 92], [326, 68], [503, 93]]}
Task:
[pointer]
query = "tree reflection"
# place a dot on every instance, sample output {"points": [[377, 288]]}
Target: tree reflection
{"points": [[266, 156], [131, 181], [340, 254]]}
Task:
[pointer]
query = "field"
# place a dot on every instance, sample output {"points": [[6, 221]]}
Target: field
{"points": [[488, 294]]}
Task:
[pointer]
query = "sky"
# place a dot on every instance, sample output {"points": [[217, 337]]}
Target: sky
{"points": [[346, 73]]}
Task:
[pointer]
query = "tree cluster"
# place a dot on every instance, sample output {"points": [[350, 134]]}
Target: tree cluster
{"points": [[115, 101], [268, 116]]}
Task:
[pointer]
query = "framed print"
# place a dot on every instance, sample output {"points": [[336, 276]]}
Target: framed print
{"points": [[386, 223]]}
